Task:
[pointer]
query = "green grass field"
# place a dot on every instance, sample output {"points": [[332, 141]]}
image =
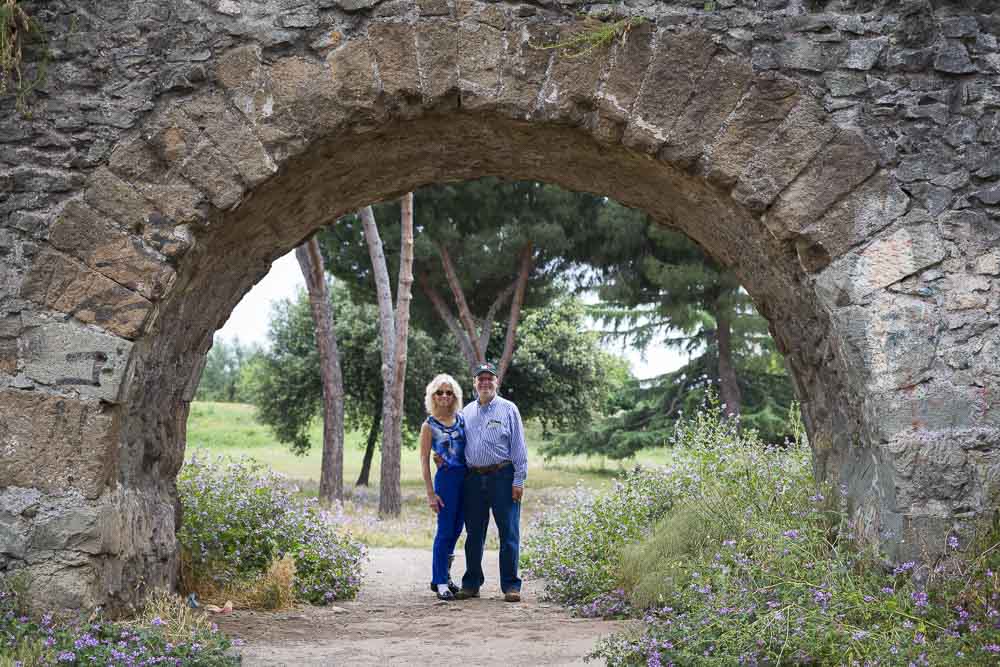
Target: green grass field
{"points": [[231, 430]]}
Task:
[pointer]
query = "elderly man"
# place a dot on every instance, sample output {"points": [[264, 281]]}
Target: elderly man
{"points": [[497, 462]]}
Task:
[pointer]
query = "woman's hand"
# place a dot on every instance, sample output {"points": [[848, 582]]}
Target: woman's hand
{"points": [[434, 500]]}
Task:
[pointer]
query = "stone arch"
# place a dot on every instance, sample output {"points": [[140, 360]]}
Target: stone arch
{"points": [[735, 130]]}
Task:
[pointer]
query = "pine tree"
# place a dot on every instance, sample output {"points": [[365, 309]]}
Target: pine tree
{"points": [[655, 283]]}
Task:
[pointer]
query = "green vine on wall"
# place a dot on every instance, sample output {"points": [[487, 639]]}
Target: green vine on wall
{"points": [[17, 29], [582, 43]]}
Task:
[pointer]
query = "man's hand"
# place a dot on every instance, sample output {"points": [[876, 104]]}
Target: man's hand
{"points": [[438, 461], [435, 502], [516, 492]]}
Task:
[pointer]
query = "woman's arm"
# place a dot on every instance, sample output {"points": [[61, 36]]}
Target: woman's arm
{"points": [[425, 454]]}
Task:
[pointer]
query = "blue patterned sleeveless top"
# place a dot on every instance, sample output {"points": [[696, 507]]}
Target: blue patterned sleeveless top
{"points": [[449, 441]]}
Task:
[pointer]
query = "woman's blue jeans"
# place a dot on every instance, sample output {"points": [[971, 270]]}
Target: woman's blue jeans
{"points": [[448, 482], [483, 493]]}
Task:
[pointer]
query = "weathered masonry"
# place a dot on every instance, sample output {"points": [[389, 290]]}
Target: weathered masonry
{"points": [[842, 155]]}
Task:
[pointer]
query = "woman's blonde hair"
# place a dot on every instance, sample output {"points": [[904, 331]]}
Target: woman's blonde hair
{"points": [[435, 384]]}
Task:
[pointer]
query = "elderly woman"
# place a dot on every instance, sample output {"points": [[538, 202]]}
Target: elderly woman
{"points": [[443, 434]]}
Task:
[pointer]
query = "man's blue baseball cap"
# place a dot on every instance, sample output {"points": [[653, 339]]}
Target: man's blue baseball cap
{"points": [[485, 367]]}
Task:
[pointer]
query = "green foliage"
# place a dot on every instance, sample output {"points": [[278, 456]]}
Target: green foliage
{"points": [[227, 371], [656, 283], [239, 518], [93, 641], [17, 30], [483, 224], [559, 374], [591, 38]]}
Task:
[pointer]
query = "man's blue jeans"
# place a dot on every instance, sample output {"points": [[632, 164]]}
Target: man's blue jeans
{"points": [[481, 494]]}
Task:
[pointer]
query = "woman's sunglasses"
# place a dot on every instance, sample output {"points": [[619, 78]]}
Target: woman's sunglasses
{"points": [[444, 392]]}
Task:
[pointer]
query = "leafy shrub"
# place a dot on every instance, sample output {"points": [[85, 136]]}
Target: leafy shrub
{"points": [[168, 633], [240, 518], [576, 547]]}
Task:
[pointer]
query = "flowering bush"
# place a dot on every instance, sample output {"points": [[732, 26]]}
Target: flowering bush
{"points": [[735, 557], [576, 547], [93, 641], [239, 518]]}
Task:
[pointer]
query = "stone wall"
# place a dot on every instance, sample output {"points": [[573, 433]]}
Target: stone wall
{"points": [[841, 156]]}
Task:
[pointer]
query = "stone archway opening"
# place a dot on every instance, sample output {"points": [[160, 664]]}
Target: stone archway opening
{"points": [[155, 248], [327, 181]]}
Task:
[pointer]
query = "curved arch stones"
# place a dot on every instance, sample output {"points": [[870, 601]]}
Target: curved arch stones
{"points": [[844, 164]]}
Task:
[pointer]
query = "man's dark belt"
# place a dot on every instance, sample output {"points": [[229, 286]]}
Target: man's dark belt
{"points": [[486, 470]]}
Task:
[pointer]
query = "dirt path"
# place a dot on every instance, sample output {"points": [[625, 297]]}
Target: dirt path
{"points": [[396, 620]]}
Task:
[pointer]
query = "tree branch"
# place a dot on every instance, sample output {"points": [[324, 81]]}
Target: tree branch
{"points": [[527, 254], [464, 314], [487, 330], [424, 283]]}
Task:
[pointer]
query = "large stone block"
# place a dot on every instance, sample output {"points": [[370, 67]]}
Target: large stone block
{"points": [[395, 52], [719, 91], [480, 51], [351, 68], [214, 174], [67, 356], [897, 346], [676, 68], [860, 215], [621, 86], [524, 68], [63, 586], [85, 234], [114, 197], [838, 168], [240, 68], [80, 528], [766, 106], [910, 245], [233, 136], [56, 444], [788, 150], [570, 89], [437, 49], [63, 284]]}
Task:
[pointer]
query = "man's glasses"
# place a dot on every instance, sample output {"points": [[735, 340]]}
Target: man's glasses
{"points": [[444, 392]]}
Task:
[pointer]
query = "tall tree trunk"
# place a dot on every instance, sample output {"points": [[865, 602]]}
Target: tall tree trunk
{"points": [[515, 308], [729, 388], [394, 335], [366, 463], [331, 480], [388, 329], [390, 501]]}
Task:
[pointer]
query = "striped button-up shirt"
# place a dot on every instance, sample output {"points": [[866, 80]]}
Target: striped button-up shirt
{"points": [[494, 433]]}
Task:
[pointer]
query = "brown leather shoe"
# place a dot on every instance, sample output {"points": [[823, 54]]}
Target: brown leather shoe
{"points": [[512, 596]]}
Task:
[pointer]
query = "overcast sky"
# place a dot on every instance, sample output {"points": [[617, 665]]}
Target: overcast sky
{"points": [[249, 319]]}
